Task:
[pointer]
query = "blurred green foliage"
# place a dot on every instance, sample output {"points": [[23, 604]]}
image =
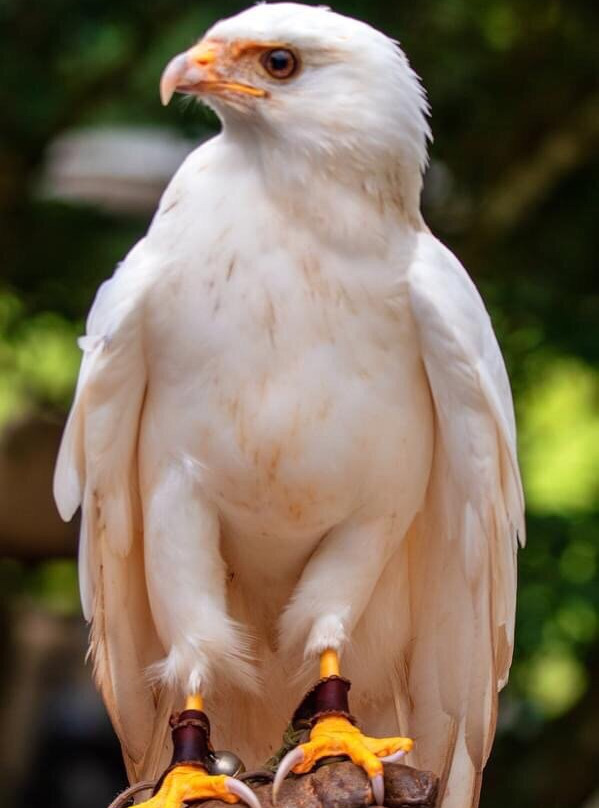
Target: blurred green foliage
{"points": [[512, 189], [39, 358]]}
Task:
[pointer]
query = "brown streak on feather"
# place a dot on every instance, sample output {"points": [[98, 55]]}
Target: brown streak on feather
{"points": [[270, 318], [274, 464], [314, 278], [230, 269], [343, 298], [295, 511], [172, 205]]}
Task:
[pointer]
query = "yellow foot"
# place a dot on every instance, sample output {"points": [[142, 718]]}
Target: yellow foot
{"points": [[338, 736], [185, 784]]}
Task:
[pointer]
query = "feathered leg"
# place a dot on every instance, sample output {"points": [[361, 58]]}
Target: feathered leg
{"points": [[332, 595], [186, 584]]}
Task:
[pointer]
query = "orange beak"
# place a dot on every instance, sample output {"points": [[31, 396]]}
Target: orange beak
{"points": [[198, 71]]}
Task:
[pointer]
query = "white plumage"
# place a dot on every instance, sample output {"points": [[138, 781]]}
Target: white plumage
{"points": [[293, 428]]}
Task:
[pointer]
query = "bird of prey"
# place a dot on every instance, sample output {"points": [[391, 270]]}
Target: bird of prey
{"points": [[293, 436]]}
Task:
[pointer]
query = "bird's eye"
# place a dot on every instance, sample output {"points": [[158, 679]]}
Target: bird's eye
{"points": [[280, 63]]}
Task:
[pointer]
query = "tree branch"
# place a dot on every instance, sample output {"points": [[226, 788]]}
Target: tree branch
{"points": [[563, 151]]}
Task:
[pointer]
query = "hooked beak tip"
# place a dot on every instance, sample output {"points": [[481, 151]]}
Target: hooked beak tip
{"points": [[171, 77], [165, 96]]}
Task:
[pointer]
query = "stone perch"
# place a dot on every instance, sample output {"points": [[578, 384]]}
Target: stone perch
{"points": [[341, 785]]}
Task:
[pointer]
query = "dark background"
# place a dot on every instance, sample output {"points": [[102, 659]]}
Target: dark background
{"points": [[512, 189]]}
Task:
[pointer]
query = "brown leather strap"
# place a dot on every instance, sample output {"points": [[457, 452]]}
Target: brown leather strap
{"points": [[191, 737], [191, 742], [327, 697]]}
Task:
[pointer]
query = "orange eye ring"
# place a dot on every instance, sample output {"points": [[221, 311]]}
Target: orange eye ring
{"points": [[280, 63]]}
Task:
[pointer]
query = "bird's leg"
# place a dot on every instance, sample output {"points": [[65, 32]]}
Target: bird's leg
{"points": [[332, 594], [190, 775], [186, 586], [325, 708]]}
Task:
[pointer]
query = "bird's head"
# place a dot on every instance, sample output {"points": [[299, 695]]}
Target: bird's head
{"points": [[308, 81]]}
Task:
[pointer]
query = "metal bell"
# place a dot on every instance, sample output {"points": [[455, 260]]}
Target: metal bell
{"points": [[225, 762]]}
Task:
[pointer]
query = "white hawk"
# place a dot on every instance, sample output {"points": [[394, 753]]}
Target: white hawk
{"points": [[293, 435]]}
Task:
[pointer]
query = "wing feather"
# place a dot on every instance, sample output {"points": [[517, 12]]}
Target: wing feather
{"points": [[97, 469], [461, 549]]}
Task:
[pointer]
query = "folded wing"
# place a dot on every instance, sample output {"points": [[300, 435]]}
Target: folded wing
{"points": [[461, 550], [97, 470]]}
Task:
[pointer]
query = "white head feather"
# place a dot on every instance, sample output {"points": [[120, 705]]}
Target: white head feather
{"points": [[355, 92], [354, 111]]}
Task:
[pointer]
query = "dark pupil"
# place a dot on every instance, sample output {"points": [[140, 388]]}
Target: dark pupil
{"points": [[280, 61]]}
